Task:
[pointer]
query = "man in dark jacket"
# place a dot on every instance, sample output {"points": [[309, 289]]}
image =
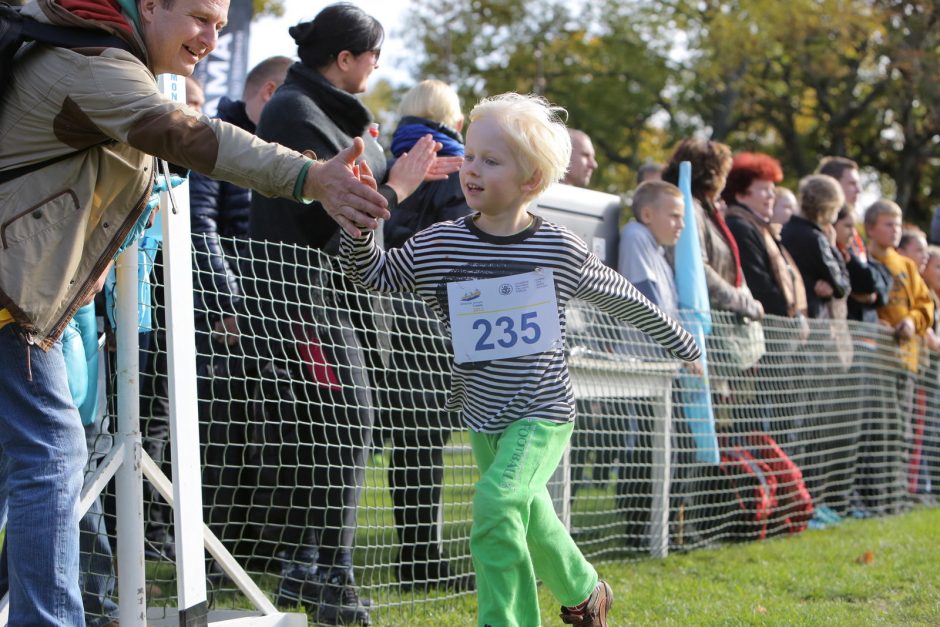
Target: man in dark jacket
{"points": [[219, 209]]}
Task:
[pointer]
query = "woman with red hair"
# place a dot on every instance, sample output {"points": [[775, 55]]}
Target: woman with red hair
{"points": [[770, 272]]}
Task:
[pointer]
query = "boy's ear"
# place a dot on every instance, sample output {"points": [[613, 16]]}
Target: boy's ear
{"points": [[530, 186], [644, 215]]}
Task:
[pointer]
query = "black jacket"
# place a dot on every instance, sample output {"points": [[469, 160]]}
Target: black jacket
{"points": [[308, 113], [816, 259], [219, 209], [288, 272], [867, 277], [756, 266], [432, 202]]}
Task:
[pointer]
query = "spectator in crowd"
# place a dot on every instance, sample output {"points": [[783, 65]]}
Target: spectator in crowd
{"points": [[115, 107], [772, 276], [659, 219], [516, 401], [219, 223], [810, 239], [319, 408], [195, 95], [658, 210], [649, 171], [935, 226], [909, 312], [785, 207], [711, 163], [845, 171], [419, 372], [869, 280], [913, 245], [582, 163], [588, 440], [769, 270], [930, 469], [733, 307]]}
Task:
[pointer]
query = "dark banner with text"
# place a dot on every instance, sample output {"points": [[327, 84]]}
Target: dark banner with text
{"points": [[223, 72]]}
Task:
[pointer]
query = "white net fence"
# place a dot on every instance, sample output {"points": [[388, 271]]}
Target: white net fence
{"points": [[326, 449]]}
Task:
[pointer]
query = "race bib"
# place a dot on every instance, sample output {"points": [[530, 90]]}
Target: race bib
{"points": [[504, 317]]}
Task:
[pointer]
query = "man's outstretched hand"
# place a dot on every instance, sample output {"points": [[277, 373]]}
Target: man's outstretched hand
{"points": [[347, 199]]}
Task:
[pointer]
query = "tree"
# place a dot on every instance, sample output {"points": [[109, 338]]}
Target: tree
{"points": [[267, 7], [594, 63]]}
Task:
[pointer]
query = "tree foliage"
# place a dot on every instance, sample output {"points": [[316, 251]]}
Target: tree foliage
{"points": [[798, 79], [267, 7]]}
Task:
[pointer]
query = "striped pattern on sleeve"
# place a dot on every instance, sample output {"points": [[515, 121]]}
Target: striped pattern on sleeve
{"points": [[493, 394]]}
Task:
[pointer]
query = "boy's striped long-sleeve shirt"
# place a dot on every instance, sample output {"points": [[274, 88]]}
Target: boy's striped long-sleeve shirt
{"points": [[493, 394]]}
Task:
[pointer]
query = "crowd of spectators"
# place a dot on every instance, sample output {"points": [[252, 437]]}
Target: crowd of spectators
{"points": [[274, 307]]}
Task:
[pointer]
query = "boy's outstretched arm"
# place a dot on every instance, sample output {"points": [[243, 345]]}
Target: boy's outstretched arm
{"points": [[369, 266], [615, 295]]}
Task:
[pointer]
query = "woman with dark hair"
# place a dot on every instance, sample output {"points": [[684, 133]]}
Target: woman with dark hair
{"points": [[711, 163], [733, 307], [317, 409]]}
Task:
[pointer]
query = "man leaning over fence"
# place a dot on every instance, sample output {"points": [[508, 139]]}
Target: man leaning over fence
{"points": [[85, 124]]}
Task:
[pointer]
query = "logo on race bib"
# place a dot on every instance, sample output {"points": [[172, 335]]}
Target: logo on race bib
{"points": [[505, 289], [471, 295]]}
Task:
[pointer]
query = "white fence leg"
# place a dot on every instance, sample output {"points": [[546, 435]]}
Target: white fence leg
{"points": [[129, 485], [662, 471], [181, 372]]}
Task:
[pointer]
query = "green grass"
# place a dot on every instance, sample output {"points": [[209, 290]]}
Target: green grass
{"points": [[811, 579]]}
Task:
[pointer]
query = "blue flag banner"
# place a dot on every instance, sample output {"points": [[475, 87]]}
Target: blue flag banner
{"points": [[697, 319]]}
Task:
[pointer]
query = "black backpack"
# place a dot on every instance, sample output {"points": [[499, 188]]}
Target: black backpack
{"points": [[16, 30]]}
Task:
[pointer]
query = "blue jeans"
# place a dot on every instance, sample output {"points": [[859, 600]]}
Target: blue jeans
{"points": [[43, 445]]}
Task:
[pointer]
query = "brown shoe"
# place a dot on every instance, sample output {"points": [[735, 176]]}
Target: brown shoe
{"points": [[593, 612]]}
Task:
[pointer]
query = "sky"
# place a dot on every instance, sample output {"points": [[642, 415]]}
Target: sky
{"points": [[269, 34]]}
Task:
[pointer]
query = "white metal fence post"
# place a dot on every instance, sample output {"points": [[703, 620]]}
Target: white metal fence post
{"points": [[129, 485]]}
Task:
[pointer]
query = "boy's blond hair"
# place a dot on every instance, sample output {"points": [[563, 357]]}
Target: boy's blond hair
{"points": [[651, 194], [536, 132], [881, 207], [433, 100], [820, 198]]}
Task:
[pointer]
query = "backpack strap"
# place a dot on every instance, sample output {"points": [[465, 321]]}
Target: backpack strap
{"points": [[15, 29]]}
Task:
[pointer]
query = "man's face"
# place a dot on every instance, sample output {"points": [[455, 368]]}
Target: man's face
{"points": [[180, 36], [851, 186], [582, 164]]}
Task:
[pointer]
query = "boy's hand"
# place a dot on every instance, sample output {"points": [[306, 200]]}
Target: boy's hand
{"points": [[695, 367], [904, 330], [225, 331], [822, 289]]}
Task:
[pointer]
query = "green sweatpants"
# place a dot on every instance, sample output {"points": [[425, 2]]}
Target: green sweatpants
{"points": [[516, 534]]}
